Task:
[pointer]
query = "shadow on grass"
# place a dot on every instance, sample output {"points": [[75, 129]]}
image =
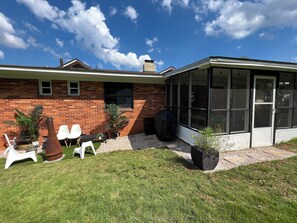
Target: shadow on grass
{"points": [[187, 164]]}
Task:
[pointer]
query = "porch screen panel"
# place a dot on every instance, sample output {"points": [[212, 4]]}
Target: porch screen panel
{"points": [[184, 98], [174, 95], [167, 85], [295, 103], [284, 100], [239, 100], [199, 98], [219, 99]]}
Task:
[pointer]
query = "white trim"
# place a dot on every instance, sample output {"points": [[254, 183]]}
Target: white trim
{"points": [[69, 88], [41, 87]]}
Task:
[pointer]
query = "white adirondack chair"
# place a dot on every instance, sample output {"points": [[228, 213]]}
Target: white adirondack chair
{"points": [[13, 155], [81, 150], [63, 133], [74, 133]]}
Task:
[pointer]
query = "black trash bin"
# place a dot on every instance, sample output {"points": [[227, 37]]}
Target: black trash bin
{"points": [[165, 124], [149, 126]]}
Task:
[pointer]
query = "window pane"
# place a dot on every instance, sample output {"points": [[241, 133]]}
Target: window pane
{"points": [[199, 89], [73, 85], [74, 91], [264, 90], [198, 119], [218, 120], [219, 88], [46, 91], [183, 116], [285, 91], [184, 90], [240, 83], [46, 84], [263, 115], [238, 120], [283, 117]]}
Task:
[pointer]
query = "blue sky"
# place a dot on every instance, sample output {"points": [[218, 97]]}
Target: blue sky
{"points": [[118, 34]]}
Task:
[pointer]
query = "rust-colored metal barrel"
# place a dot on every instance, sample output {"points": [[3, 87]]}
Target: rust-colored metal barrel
{"points": [[53, 149]]}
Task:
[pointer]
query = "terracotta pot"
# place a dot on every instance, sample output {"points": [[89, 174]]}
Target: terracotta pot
{"points": [[204, 160]]}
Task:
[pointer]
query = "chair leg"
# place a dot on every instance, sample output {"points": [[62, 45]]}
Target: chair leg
{"points": [[8, 163], [65, 141]]}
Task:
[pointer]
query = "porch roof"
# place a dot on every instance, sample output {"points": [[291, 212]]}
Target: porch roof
{"points": [[240, 63]]}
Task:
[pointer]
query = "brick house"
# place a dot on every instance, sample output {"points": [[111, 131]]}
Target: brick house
{"points": [[74, 93], [252, 102]]}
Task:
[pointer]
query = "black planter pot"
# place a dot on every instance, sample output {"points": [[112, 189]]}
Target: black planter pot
{"points": [[203, 160]]}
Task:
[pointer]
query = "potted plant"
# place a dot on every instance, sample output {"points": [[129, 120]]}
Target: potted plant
{"points": [[205, 152], [28, 124], [116, 120]]}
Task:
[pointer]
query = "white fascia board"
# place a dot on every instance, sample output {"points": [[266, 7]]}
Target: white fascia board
{"points": [[52, 74], [253, 65], [201, 64]]}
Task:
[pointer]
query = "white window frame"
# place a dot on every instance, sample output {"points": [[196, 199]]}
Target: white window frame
{"points": [[41, 87], [69, 88]]}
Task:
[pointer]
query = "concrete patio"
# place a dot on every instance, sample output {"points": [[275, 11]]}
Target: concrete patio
{"points": [[228, 159]]}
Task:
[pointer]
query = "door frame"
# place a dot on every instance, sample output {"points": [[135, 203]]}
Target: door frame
{"points": [[272, 132]]}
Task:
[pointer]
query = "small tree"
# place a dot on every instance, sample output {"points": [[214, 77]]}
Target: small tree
{"points": [[116, 121], [28, 124]]}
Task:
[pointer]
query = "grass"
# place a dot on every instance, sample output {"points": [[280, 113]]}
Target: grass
{"points": [[290, 145], [152, 185]]}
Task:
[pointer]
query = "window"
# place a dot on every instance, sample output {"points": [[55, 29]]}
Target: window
{"points": [[285, 101], [199, 98], [120, 94], [45, 87], [73, 88]]}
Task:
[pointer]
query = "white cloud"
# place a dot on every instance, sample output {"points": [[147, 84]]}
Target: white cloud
{"points": [[113, 11], [295, 39], [131, 13], [32, 42], [1, 55], [90, 31], [8, 36], [59, 42], [238, 19], [169, 4], [31, 27], [295, 59], [150, 42], [266, 36], [238, 47], [42, 9], [159, 63]]}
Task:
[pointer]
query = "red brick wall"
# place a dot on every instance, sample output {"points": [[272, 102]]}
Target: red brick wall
{"points": [[86, 109]]}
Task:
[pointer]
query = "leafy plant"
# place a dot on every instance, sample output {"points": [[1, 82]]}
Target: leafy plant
{"points": [[28, 124], [208, 140], [116, 121]]}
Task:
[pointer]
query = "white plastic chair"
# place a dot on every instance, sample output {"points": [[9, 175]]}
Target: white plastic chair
{"points": [[81, 150], [74, 133], [63, 133], [13, 155]]}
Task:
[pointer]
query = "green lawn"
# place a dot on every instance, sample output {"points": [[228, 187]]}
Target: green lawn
{"points": [[290, 145], [152, 185]]}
